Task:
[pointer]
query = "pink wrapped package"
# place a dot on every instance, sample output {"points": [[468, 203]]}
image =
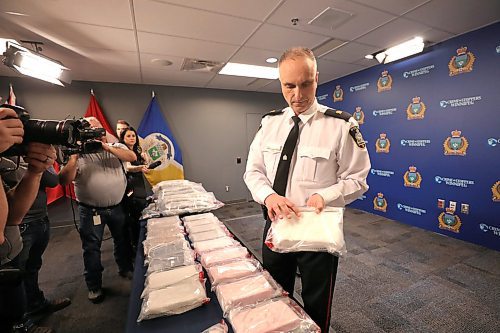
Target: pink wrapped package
{"points": [[247, 291], [277, 315], [198, 217], [215, 257], [206, 235], [217, 328], [232, 270]]}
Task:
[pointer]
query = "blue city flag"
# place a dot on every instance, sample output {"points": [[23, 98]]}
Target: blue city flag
{"points": [[158, 143]]}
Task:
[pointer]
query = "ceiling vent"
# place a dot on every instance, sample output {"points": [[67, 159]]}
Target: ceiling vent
{"points": [[331, 18], [196, 65]]}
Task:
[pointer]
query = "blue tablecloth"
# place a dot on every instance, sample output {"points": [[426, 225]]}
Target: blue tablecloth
{"points": [[193, 321]]}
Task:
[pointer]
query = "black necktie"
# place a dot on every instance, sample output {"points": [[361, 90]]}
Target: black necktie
{"points": [[281, 178]]}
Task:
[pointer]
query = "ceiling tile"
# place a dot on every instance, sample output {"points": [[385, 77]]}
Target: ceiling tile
{"points": [[364, 18], [276, 38], [146, 61], [120, 74], [248, 55], [110, 13], [231, 82], [184, 47], [397, 7], [255, 10], [168, 77], [395, 32], [174, 20], [350, 52], [457, 16]]}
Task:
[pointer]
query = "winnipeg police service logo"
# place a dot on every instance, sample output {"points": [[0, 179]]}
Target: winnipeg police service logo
{"points": [[456, 144], [412, 178], [379, 203], [338, 94], [384, 82], [462, 62], [495, 190], [159, 148], [449, 221], [382, 145], [359, 115], [416, 109]]}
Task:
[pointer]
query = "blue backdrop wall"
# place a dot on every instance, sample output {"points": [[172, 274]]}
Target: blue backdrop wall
{"points": [[432, 127]]}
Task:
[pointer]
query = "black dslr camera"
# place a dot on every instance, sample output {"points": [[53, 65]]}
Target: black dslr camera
{"points": [[75, 136]]}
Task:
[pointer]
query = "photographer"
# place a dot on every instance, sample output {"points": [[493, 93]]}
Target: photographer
{"points": [[100, 184], [15, 201]]}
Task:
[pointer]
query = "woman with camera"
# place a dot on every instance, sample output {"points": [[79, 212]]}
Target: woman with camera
{"points": [[137, 190]]}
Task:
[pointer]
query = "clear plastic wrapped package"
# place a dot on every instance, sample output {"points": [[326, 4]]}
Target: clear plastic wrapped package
{"points": [[198, 217], [168, 220], [218, 256], [321, 232], [193, 229], [178, 186], [280, 314], [164, 250], [217, 328], [162, 279], [151, 242], [247, 291], [232, 270], [169, 203], [213, 244], [182, 258], [217, 232], [174, 299]]}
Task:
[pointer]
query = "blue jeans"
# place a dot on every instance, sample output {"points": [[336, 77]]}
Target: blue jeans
{"points": [[91, 236], [35, 236]]}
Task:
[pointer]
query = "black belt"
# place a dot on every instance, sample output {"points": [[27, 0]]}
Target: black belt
{"points": [[94, 207]]}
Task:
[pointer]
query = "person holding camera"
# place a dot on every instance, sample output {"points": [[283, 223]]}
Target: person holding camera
{"points": [[135, 198], [100, 185], [15, 201]]}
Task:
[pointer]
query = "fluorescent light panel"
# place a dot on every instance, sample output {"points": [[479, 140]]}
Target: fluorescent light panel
{"points": [[261, 72], [403, 50]]}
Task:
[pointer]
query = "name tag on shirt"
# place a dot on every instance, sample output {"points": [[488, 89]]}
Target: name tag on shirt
{"points": [[97, 219]]}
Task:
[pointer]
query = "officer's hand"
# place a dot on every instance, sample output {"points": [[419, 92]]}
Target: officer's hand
{"points": [[40, 157], [278, 206], [316, 201], [11, 130]]}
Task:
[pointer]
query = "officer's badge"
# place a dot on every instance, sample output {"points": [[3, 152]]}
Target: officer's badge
{"points": [[382, 145], [456, 144], [412, 178], [416, 109], [384, 82], [359, 115], [379, 203], [462, 62], [338, 94], [495, 189], [356, 135], [449, 221]]}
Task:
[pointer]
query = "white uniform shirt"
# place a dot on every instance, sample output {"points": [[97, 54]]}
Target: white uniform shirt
{"points": [[326, 161]]}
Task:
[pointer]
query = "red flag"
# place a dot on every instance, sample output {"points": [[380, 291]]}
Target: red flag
{"points": [[54, 193], [94, 110]]}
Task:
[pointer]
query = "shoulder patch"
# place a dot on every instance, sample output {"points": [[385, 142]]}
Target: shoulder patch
{"points": [[338, 114], [274, 113], [358, 138]]}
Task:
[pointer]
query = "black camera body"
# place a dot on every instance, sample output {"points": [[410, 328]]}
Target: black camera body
{"points": [[75, 136]]}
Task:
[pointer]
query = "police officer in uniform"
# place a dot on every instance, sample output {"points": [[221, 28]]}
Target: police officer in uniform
{"points": [[305, 155]]}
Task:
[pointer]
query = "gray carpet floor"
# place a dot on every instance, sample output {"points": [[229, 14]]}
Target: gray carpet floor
{"points": [[394, 278]]}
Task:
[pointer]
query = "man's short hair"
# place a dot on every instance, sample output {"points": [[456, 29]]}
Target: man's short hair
{"points": [[296, 52], [122, 122]]}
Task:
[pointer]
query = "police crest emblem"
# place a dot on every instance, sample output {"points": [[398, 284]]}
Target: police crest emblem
{"points": [[456, 144], [449, 221], [382, 145], [384, 82], [359, 115], [416, 109], [379, 203], [462, 62], [338, 94], [495, 189], [412, 178]]}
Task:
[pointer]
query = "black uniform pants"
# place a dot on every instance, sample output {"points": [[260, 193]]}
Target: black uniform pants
{"points": [[318, 272]]}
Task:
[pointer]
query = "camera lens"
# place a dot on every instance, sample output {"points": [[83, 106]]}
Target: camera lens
{"points": [[48, 131]]}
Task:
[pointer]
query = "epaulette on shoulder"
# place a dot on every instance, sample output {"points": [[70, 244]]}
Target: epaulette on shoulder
{"points": [[338, 114], [274, 113]]}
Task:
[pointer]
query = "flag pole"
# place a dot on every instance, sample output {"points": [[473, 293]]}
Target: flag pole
{"points": [[92, 92]]}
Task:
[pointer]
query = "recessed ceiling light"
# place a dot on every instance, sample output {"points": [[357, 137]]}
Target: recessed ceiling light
{"points": [[271, 60], [262, 72], [161, 62], [16, 14], [369, 56]]}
